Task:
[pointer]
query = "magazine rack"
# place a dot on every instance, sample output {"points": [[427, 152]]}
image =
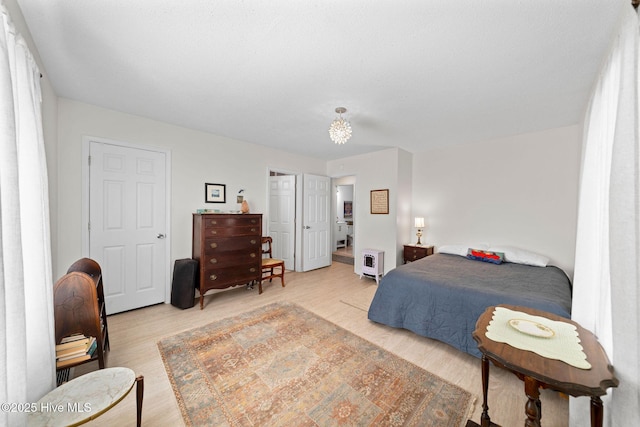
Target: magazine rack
{"points": [[79, 307]]}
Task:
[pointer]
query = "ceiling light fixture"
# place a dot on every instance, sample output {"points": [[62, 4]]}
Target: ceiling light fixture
{"points": [[340, 129]]}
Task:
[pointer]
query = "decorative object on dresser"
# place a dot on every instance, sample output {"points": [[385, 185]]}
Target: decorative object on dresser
{"points": [[419, 224], [80, 312], [228, 250], [372, 264], [415, 252], [271, 266]]}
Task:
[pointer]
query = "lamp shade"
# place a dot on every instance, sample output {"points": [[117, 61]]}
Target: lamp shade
{"points": [[419, 222]]}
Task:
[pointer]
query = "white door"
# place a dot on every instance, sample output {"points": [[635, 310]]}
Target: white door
{"points": [[316, 230], [127, 223], [282, 214]]}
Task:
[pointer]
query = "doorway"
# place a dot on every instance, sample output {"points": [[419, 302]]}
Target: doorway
{"points": [[126, 204], [344, 227], [299, 211], [282, 216]]}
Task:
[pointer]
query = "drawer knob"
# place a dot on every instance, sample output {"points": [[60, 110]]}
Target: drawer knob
{"points": [[213, 245], [254, 241], [253, 221], [213, 222], [252, 255], [213, 277], [253, 230], [213, 261], [214, 232], [253, 270]]}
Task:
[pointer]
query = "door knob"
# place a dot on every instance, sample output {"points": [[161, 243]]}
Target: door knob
{"points": [[160, 236], [306, 227]]}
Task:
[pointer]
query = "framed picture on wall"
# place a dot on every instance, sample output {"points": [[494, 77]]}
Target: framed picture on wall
{"points": [[215, 193], [348, 209], [380, 201]]}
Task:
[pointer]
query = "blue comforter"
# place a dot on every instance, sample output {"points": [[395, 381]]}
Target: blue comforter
{"points": [[441, 296]]}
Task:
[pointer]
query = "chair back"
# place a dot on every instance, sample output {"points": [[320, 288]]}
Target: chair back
{"points": [[267, 240], [86, 265], [75, 306]]}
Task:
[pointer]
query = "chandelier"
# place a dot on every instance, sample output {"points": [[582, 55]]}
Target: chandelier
{"points": [[340, 129]]}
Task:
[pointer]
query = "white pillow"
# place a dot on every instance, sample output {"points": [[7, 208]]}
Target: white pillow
{"points": [[460, 249], [521, 256]]}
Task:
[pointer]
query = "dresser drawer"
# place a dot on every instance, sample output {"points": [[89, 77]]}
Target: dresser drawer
{"points": [[248, 230], [412, 253], [211, 221], [229, 258], [220, 278], [226, 244]]}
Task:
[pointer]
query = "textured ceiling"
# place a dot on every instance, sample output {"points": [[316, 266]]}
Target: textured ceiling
{"points": [[412, 74]]}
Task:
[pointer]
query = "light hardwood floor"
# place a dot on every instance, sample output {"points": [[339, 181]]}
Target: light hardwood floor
{"points": [[335, 293]]}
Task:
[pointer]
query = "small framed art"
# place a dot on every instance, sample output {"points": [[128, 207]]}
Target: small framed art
{"points": [[348, 209], [215, 193], [380, 201]]}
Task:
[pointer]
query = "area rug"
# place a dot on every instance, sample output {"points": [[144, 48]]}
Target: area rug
{"points": [[281, 365]]}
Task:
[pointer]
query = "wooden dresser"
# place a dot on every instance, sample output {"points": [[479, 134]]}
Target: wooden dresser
{"points": [[415, 252], [228, 250]]}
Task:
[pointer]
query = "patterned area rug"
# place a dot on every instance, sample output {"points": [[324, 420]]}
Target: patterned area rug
{"points": [[281, 365]]}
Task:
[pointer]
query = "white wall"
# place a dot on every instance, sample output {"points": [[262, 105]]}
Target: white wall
{"points": [[521, 190], [197, 157], [404, 220], [374, 171]]}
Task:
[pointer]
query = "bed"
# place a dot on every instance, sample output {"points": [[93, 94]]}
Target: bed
{"points": [[441, 296]]}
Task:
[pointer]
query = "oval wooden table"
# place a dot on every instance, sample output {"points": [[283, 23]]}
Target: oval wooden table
{"points": [[537, 371], [87, 397]]}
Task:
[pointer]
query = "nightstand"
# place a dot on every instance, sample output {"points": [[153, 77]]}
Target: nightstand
{"points": [[414, 252]]}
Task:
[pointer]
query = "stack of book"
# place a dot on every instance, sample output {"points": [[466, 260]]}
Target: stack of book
{"points": [[74, 349]]}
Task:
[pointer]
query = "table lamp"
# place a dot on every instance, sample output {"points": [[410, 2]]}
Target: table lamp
{"points": [[419, 224]]}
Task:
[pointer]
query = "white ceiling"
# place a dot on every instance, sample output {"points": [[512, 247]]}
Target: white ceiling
{"points": [[414, 74]]}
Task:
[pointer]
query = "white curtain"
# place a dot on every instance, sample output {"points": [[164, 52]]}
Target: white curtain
{"points": [[27, 355], [606, 281]]}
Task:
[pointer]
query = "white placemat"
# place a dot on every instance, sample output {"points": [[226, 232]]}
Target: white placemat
{"points": [[546, 337]]}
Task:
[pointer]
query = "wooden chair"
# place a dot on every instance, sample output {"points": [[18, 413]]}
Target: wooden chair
{"points": [[269, 264]]}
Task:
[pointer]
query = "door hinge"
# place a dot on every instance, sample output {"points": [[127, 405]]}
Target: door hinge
{"points": [[89, 160], [88, 226]]}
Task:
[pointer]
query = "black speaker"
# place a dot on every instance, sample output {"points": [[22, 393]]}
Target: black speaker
{"points": [[183, 287]]}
